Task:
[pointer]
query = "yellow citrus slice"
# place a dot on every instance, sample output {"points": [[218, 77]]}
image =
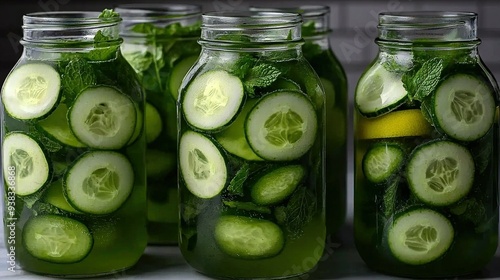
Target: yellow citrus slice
{"points": [[396, 124]]}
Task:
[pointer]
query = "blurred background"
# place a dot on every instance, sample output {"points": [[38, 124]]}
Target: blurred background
{"points": [[354, 26]]}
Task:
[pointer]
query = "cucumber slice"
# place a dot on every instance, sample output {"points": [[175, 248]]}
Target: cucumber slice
{"points": [[440, 173], [283, 84], [29, 160], [56, 127], [31, 91], [381, 161], [212, 100], [282, 126], [139, 123], [99, 182], [159, 163], [233, 138], [202, 165], [154, 124], [277, 185], [54, 195], [103, 118], [464, 107], [420, 236], [379, 91], [248, 238], [57, 239], [178, 72]]}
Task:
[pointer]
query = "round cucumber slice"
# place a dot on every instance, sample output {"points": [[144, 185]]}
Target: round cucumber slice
{"points": [[103, 118], [464, 107], [31, 91], [57, 239], [233, 138], [202, 165], [54, 195], [420, 236], [99, 182], [282, 126], [212, 100], [440, 173], [248, 238], [277, 185], [154, 123], [56, 127], [178, 72], [24, 163], [382, 161], [379, 91]]}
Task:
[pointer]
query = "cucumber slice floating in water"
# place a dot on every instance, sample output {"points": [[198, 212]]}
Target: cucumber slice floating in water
{"points": [[154, 124], [31, 91], [420, 236], [99, 182], [277, 185], [202, 165], [57, 127], [103, 118], [57, 239], [378, 92], [26, 161], [54, 195], [382, 161], [178, 72], [212, 100], [464, 107], [440, 173], [282, 126], [248, 238]]}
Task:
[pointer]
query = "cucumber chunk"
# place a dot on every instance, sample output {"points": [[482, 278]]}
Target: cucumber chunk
{"points": [[54, 195], [103, 118], [154, 123], [31, 91], [202, 165], [159, 163], [25, 162], [248, 238], [56, 126], [277, 185], [233, 138], [420, 236], [178, 72], [381, 161], [99, 182], [464, 107], [212, 100], [379, 91], [282, 126], [440, 173], [57, 239]]}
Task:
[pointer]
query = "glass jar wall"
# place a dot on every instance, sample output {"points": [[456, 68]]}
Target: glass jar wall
{"points": [[160, 43], [251, 150], [426, 144], [72, 147]]}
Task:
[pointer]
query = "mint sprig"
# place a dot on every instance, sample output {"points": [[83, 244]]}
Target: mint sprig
{"points": [[75, 77], [236, 185], [262, 75], [422, 82]]}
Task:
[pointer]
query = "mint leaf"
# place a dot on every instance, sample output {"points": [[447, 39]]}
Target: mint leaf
{"points": [[76, 76], [262, 75], [139, 60], [308, 28], [470, 210], [391, 65], [241, 67], [426, 109], [109, 13], [311, 50], [236, 185], [422, 82], [390, 195], [299, 211], [247, 206], [144, 28], [49, 144]]}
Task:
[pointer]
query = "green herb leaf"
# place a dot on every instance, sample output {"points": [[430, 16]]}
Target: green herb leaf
{"points": [[470, 210], [262, 75], [390, 195], [299, 211], [308, 28], [426, 109], [139, 60], [109, 13], [49, 144], [76, 76], [247, 206], [192, 207], [144, 28], [311, 50], [422, 82], [391, 65], [236, 185]]}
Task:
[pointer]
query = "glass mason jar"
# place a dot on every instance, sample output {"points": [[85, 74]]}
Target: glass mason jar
{"points": [[251, 150], [318, 51], [73, 150], [426, 143], [160, 42]]}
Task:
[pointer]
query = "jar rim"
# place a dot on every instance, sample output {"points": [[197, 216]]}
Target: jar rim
{"points": [[307, 11], [144, 11], [249, 20], [65, 18]]}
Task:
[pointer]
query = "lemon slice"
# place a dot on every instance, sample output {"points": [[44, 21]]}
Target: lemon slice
{"points": [[396, 124]]}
